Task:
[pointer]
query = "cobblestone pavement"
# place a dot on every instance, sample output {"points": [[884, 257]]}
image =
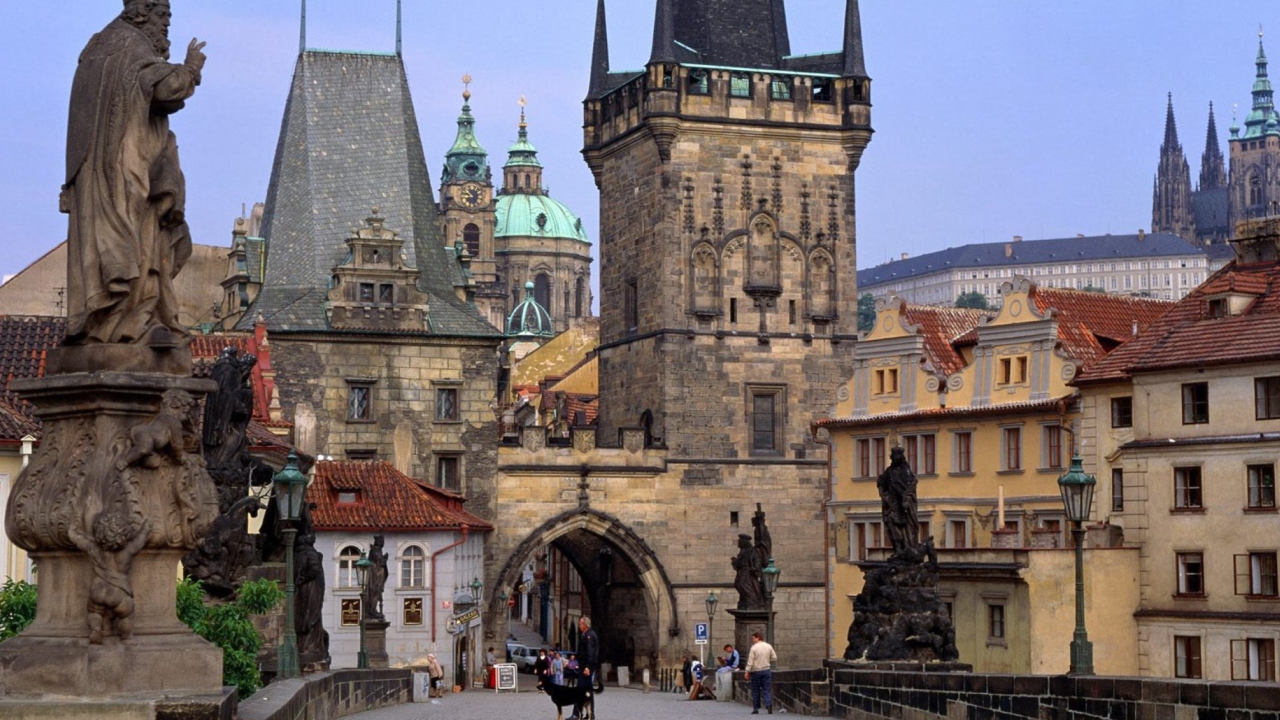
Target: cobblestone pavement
{"points": [[613, 704]]}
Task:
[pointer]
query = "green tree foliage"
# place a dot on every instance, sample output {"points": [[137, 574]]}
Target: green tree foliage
{"points": [[1092, 289], [17, 607], [973, 300], [227, 625], [866, 312], [230, 627]]}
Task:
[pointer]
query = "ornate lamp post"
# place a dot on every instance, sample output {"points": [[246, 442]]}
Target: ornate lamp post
{"points": [[290, 491], [712, 602], [771, 573], [362, 567], [1077, 499]]}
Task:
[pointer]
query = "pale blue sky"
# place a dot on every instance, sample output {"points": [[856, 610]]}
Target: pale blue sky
{"points": [[993, 118]]}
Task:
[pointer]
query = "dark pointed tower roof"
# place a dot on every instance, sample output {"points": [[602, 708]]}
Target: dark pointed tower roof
{"points": [[854, 61], [600, 53], [664, 33], [732, 33], [349, 142], [1170, 130], [1171, 202], [1213, 167]]}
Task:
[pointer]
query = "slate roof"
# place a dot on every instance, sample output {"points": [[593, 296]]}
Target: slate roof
{"points": [[350, 142], [1030, 252], [734, 33], [388, 500], [1210, 209], [1186, 337]]}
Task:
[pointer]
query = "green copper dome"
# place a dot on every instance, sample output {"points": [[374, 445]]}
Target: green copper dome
{"points": [[467, 159], [529, 319], [528, 215], [523, 153]]}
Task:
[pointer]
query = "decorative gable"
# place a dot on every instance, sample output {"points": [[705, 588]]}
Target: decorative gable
{"points": [[374, 288]]}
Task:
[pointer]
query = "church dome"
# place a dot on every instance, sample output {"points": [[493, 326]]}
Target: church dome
{"points": [[530, 319], [535, 215]]}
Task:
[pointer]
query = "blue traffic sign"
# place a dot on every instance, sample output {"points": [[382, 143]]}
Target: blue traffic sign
{"points": [[700, 633]]}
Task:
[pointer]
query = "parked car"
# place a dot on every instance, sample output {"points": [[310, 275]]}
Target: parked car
{"points": [[523, 657]]}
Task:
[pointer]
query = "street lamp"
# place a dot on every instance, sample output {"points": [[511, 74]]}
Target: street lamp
{"points": [[712, 602], [771, 573], [362, 568], [1077, 499], [290, 491], [475, 590]]}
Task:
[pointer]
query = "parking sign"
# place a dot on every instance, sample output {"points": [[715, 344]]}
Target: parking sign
{"points": [[700, 633]]}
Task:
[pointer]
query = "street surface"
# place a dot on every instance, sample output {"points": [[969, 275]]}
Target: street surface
{"points": [[613, 704]]}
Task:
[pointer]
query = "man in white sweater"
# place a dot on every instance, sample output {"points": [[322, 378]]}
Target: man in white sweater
{"points": [[760, 662]]}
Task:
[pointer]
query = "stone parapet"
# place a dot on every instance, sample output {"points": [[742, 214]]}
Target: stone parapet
{"points": [[329, 695]]}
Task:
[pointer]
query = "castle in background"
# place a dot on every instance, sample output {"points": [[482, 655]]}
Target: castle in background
{"points": [[1222, 198]]}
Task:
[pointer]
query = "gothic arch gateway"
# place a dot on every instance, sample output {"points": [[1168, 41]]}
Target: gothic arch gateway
{"points": [[632, 602]]}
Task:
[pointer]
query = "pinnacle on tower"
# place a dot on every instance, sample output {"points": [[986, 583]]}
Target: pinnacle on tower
{"points": [[664, 33], [1170, 130], [1213, 172], [854, 62], [600, 54]]}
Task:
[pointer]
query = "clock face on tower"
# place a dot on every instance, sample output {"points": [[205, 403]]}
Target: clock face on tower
{"points": [[470, 196]]}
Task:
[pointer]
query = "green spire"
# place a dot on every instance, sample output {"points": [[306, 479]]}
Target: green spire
{"points": [[1262, 119], [523, 153], [466, 160]]}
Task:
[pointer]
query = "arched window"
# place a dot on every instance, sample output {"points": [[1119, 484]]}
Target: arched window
{"points": [[412, 564], [471, 239], [348, 575], [577, 298], [542, 291], [528, 183]]}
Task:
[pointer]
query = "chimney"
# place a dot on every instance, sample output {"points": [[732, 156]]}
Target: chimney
{"points": [[1080, 235], [1017, 238], [906, 256], [1008, 249], [1142, 234]]}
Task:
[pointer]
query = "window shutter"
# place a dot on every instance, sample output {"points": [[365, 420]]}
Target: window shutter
{"points": [[1243, 576], [1239, 659]]}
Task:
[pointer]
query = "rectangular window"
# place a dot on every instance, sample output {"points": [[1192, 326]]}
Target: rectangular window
{"points": [[1253, 659], [1195, 403], [780, 89], [1022, 369], [386, 294], [1262, 486], [995, 622], [698, 84], [864, 457], [447, 404], [740, 85], [413, 611], [928, 454], [911, 448], [1191, 574], [360, 403], [1053, 446], [1122, 412], [447, 473], [733, 310], [1186, 488], [877, 455], [366, 292], [1186, 652], [1006, 371], [1117, 490], [1012, 455], [957, 534], [964, 452], [791, 311], [863, 536], [351, 612], [765, 406], [632, 307], [926, 531], [1256, 574], [1266, 393]]}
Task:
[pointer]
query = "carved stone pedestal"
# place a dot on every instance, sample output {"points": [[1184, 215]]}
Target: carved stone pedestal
{"points": [[746, 623], [113, 498], [375, 642]]}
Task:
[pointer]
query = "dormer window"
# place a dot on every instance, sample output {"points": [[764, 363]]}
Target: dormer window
{"points": [[386, 294], [366, 292], [1219, 307], [348, 497]]}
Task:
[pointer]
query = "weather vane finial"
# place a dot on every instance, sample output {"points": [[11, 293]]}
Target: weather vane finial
{"points": [[466, 87], [523, 103]]}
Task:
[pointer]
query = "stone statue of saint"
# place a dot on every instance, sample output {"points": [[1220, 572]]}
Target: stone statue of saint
{"points": [[125, 191], [897, 485], [377, 578], [748, 580]]}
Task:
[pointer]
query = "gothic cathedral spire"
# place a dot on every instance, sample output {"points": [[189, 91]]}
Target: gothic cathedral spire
{"points": [[600, 54], [1213, 168], [1171, 205]]}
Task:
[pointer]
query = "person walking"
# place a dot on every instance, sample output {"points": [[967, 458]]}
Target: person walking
{"points": [[588, 664], [435, 674], [760, 661], [542, 667], [557, 668]]}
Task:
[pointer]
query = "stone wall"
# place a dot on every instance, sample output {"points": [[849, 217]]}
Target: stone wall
{"points": [[324, 696], [871, 692]]}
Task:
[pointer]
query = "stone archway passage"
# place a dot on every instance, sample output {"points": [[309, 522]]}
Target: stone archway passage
{"points": [[629, 591]]}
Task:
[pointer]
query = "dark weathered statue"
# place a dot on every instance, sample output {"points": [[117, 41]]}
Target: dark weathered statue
{"points": [[377, 582], [125, 191], [308, 577], [897, 485], [748, 580], [898, 615]]}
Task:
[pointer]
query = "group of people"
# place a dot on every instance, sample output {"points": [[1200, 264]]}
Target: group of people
{"points": [[581, 669], [554, 666], [758, 671]]}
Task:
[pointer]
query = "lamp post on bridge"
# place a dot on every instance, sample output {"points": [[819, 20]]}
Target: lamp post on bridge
{"points": [[1077, 498], [290, 492], [771, 573]]}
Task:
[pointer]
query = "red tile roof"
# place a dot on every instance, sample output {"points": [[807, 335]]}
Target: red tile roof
{"points": [[959, 411], [1109, 318], [16, 420], [388, 500], [1186, 337], [24, 341], [941, 327]]}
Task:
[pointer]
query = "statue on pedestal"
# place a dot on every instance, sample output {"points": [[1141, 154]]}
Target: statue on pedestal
{"points": [[377, 579]]}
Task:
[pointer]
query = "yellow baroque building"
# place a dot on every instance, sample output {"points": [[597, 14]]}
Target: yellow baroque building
{"points": [[981, 403]]}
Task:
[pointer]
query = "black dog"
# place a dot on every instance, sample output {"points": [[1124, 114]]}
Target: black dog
{"points": [[563, 695]]}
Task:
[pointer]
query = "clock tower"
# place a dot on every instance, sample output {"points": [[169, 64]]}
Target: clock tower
{"points": [[468, 211]]}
